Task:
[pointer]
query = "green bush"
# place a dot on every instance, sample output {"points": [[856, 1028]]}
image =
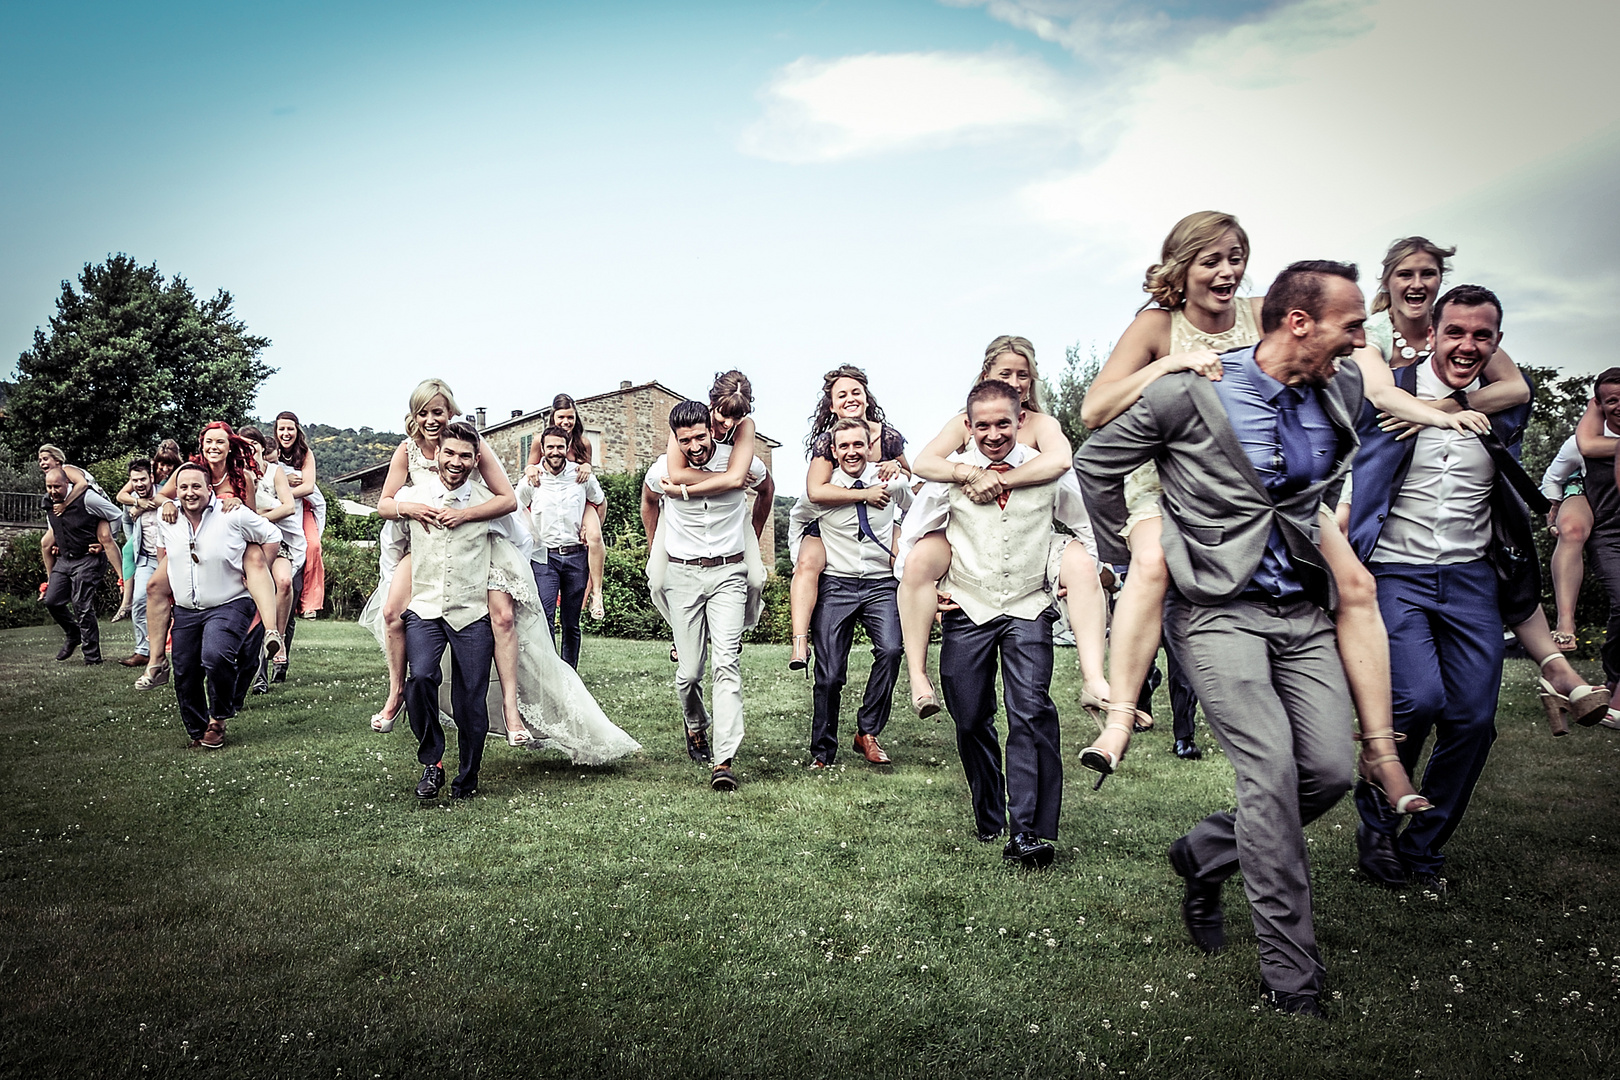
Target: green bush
{"points": [[21, 572], [18, 611], [342, 525], [630, 613], [351, 574], [623, 516]]}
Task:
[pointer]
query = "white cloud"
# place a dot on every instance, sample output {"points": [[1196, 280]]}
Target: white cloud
{"points": [[822, 110]]}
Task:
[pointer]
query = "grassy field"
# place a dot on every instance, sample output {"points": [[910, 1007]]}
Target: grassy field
{"points": [[285, 908]]}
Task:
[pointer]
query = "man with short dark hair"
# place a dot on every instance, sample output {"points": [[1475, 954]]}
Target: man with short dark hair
{"points": [[1425, 517], [1245, 463], [1604, 542], [80, 540], [556, 504], [704, 593], [216, 643], [449, 608], [1000, 613], [145, 537], [857, 586]]}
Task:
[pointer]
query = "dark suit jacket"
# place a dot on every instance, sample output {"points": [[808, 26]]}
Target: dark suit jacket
{"points": [[1218, 515], [1381, 469]]}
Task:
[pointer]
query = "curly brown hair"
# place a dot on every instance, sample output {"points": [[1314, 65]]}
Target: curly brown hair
{"points": [[822, 420], [1166, 280]]}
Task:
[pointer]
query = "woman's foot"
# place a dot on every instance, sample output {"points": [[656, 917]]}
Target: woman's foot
{"points": [[1381, 767], [598, 612], [1094, 700], [801, 653], [123, 612], [1561, 686], [519, 736], [923, 700], [1104, 755], [383, 722]]}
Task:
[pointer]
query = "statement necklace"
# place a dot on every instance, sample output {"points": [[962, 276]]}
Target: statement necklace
{"points": [[1407, 352]]}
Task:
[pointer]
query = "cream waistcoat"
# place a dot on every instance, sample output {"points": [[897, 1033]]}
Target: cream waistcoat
{"points": [[998, 556], [450, 567]]}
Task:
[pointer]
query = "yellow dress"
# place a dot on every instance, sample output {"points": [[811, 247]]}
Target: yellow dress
{"points": [[1142, 486]]}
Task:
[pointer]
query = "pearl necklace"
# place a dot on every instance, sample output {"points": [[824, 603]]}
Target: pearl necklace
{"points": [[1407, 352]]}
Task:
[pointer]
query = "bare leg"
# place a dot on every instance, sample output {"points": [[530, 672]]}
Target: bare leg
{"points": [[803, 591], [260, 585], [394, 605], [159, 608], [503, 622], [1088, 614], [1364, 652], [1569, 564], [128, 598], [595, 559], [282, 572], [1138, 619], [1536, 637], [929, 560]]}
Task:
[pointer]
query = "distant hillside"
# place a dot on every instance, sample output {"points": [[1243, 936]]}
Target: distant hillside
{"points": [[339, 451]]}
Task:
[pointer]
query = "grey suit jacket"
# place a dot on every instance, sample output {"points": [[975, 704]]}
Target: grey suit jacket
{"points": [[1217, 512]]}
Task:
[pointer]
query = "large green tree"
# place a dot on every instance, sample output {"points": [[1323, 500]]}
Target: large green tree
{"points": [[132, 359]]}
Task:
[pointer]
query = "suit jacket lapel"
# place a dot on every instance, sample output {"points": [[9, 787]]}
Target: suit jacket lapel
{"points": [[1209, 406]]}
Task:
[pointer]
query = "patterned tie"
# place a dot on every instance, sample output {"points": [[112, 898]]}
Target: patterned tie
{"points": [[1000, 467], [866, 531], [1294, 444]]}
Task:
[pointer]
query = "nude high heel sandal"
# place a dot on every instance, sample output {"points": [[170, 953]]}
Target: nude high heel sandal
{"points": [[1406, 804], [1586, 705]]}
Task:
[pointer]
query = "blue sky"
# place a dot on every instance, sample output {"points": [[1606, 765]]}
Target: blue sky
{"points": [[532, 198]]}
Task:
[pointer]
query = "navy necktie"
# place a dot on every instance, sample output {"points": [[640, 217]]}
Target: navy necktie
{"points": [[1294, 444], [866, 532]]}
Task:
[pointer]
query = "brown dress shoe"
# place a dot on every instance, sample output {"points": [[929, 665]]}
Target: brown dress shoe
{"points": [[135, 660], [214, 737], [867, 746]]}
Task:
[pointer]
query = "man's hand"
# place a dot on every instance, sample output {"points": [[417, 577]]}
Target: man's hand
{"points": [[944, 602], [93, 549], [532, 475], [1552, 517], [56, 552], [42, 587], [170, 512]]}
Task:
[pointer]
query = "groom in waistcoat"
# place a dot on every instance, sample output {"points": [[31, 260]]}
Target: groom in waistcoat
{"points": [[1000, 608], [1245, 463], [449, 607]]}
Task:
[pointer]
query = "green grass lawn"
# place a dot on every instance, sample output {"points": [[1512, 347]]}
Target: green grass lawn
{"points": [[285, 908]]}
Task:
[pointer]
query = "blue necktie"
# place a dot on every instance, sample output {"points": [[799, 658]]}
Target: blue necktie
{"points": [[1294, 444], [865, 532]]}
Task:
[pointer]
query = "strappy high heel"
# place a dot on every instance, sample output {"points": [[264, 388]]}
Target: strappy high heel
{"points": [[1404, 804], [795, 662], [382, 723], [1095, 707], [1104, 762], [1586, 705]]}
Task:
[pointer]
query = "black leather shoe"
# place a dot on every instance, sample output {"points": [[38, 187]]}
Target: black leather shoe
{"points": [[432, 780], [989, 836], [697, 746], [278, 673], [1378, 859], [1292, 1004], [91, 661], [261, 683], [460, 794], [67, 649], [1029, 849], [1201, 906], [1187, 750]]}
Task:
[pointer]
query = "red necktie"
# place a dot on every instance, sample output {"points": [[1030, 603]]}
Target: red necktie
{"points": [[1001, 467]]}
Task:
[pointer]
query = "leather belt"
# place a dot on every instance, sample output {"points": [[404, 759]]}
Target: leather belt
{"points": [[566, 549], [717, 560]]}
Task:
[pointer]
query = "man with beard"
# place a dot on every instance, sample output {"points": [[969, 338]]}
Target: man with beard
{"points": [[1245, 462], [216, 645], [555, 504], [1423, 518], [705, 594]]}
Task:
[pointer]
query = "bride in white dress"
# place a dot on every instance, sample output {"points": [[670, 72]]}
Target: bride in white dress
{"points": [[544, 704]]}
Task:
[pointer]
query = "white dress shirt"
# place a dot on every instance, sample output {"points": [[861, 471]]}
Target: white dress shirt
{"points": [[1568, 463], [214, 576], [849, 554], [706, 527], [556, 506], [1442, 515]]}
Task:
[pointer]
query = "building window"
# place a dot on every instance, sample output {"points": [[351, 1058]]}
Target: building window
{"points": [[593, 436], [523, 451]]}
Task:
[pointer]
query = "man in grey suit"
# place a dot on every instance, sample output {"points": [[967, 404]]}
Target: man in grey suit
{"points": [[1245, 462]]}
